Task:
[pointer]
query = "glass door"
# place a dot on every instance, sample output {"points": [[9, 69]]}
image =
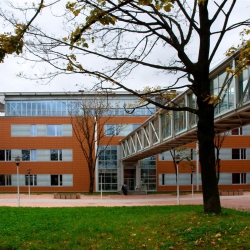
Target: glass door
{"points": [[129, 178]]}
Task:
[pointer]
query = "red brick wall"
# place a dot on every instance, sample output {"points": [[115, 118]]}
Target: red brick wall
{"points": [[78, 167]]}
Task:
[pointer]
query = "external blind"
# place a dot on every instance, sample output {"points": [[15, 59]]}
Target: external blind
{"points": [[43, 180], [20, 130], [68, 180], [67, 155], [66, 130]]}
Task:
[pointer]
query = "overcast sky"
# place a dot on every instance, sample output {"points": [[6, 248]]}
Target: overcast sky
{"points": [[12, 65]]}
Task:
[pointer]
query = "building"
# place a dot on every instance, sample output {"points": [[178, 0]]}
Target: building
{"points": [[234, 159], [37, 127]]}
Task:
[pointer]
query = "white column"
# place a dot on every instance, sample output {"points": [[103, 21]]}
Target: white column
{"points": [[178, 187], [18, 186]]}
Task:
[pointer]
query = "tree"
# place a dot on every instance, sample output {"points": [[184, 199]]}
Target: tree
{"points": [[244, 54], [218, 141], [185, 155], [127, 36], [13, 43], [89, 115]]}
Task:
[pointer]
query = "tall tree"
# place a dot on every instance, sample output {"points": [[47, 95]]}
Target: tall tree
{"points": [[89, 115], [127, 36]]}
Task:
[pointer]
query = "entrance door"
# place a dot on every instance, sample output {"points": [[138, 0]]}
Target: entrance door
{"points": [[129, 178]]}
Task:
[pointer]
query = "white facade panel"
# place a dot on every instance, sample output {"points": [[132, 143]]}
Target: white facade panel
{"points": [[170, 179], [67, 180], [165, 156], [248, 153], [15, 153], [66, 130], [41, 130], [43, 155], [21, 179], [20, 130], [226, 154], [246, 130], [185, 179], [225, 179], [67, 155], [43, 180], [126, 129]]}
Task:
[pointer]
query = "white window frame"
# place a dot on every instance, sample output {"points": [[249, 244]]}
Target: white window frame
{"points": [[55, 128]]}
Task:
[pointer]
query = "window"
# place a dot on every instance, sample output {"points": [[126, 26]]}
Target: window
{"points": [[29, 155], [148, 172], [31, 180], [56, 180], [108, 178], [5, 180], [25, 155], [54, 130], [161, 179], [5, 155], [180, 118], [60, 107], [239, 178], [33, 130], [56, 155], [237, 131], [135, 126], [107, 157], [238, 153], [191, 154], [111, 129], [107, 162]]}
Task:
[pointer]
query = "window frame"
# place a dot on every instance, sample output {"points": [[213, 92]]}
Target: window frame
{"points": [[239, 178], [59, 180], [57, 154], [54, 130], [33, 179], [240, 155], [32, 155], [7, 179], [6, 155]]}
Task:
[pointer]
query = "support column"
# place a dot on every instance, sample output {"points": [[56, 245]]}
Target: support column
{"points": [[138, 174], [121, 182]]}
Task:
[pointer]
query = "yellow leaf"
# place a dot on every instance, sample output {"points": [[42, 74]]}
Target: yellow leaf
{"points": [[218, 235]]}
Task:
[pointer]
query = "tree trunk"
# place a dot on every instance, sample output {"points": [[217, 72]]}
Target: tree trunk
{"points": [[211, 199], [91, 179]]}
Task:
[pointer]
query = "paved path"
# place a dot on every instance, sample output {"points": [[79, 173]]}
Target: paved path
{"points": [[241, 202]]}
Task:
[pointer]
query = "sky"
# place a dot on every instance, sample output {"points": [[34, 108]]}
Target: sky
{"points": [[13, 65]]}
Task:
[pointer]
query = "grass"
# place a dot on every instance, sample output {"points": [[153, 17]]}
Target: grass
{"points": [[155, 227]]}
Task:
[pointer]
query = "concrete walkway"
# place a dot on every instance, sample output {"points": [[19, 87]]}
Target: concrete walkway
{"points": [[241, 202]]}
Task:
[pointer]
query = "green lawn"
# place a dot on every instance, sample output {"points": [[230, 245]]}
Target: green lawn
{"points": [[155, 227]]}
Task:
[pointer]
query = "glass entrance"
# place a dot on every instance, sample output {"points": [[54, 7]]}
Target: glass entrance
{"points": [[129, 178]]}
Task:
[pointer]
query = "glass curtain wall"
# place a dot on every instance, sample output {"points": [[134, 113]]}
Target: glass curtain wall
{"points": [[59, 108], [222, 87], [244, 86], [148, 172], [107, 168]]}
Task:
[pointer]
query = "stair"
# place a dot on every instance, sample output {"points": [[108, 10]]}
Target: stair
{"points": [[131, 192]]}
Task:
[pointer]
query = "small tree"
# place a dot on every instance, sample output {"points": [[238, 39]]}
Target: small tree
{"points": [[218, 141], [89, 115], [185, 157]]}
